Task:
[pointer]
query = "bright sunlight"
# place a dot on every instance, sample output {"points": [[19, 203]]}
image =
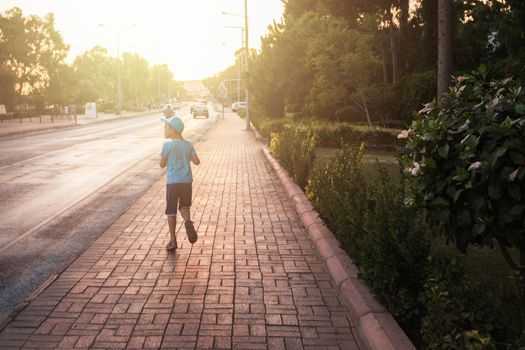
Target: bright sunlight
{"points": [[189, 36]]}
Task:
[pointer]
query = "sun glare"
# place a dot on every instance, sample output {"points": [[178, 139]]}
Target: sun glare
{"points": [[190, 36]]}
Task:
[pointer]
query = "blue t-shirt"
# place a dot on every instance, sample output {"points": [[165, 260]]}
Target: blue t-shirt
{"points": [[179, 153]]}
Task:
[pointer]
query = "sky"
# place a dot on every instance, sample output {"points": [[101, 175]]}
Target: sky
{"points": [[188, 35]]}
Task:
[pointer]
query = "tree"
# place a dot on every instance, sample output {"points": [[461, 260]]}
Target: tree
{"points": [[135, 79], [31, 52], [343, 70], [95, 76], [468, 157], [444, 45]]}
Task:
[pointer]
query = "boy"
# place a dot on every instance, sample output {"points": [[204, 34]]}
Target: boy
{"points": [[177, 155]]}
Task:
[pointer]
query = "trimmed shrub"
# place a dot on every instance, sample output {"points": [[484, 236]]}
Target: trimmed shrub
{"points": [[458, 315], [339, 192], [335, 134], [387, 239], [295, 148]]}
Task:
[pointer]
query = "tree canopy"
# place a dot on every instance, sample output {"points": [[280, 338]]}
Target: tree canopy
{"points": [[33, 70]]}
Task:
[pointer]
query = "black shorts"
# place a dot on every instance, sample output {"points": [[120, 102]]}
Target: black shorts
{"points": [[177, 195]]}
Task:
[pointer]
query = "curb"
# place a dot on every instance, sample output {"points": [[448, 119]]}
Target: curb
{"points": [[376, 325], [56, 126]]}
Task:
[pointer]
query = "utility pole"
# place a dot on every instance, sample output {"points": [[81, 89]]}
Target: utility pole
{"points": [[119, 89], [247, 57]]}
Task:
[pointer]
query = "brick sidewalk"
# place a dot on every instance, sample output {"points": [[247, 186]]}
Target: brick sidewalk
{"points": [[253, 280]]}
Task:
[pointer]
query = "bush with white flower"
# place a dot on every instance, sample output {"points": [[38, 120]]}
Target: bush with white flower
{"points": [[468, 159]]}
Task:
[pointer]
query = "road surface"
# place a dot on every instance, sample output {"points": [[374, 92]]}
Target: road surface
{"points": [[59, 189]]}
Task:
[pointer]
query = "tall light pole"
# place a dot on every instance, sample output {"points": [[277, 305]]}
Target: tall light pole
{"points": [[119, 87], [119, 84], [239, 70], [246, 58]]}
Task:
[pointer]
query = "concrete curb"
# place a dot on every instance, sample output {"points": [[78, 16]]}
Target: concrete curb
{"points": [[377, 326], [63, 126]]}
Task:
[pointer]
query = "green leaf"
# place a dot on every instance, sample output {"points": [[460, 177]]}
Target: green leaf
{"points": [[457, 194], [517, 158], [428, 162], [464, 217], [520, 108], [461, 174], [443, 151], [439, 202], [462, 240], [477, 203], [482, 68], [440, 185], [494, 191], [516, 210], [514, 191], [478, 229]]}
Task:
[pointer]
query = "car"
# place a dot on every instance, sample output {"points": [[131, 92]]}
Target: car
{"points": [[238, 105], [200, 110]]}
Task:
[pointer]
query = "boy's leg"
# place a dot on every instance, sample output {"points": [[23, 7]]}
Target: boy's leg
{"points": [[172, 223], [184, 208], [171, 212], [188, 224], [185, 213]]}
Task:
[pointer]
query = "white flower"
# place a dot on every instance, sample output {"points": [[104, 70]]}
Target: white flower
{"points": [[465, 139], [462, 78], [464, 126], [512, 176], [416, 169], [403, 134], [474, 166]]}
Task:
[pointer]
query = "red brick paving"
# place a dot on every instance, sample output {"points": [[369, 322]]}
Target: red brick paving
{"points": [[253, 280]]}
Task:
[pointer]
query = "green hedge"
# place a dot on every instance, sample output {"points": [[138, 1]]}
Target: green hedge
{"points": [[295, 148], [389, 240], [333, 134]]}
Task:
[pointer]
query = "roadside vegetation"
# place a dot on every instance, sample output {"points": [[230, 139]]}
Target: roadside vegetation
{"points": [[34, 74], [426, 194]]}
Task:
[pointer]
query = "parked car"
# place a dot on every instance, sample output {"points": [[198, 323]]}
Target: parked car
{"points": [[200, 110], [238, 105]]}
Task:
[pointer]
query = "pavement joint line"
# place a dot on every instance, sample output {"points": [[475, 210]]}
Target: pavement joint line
{"points": [[271, 212], [379, 334]]}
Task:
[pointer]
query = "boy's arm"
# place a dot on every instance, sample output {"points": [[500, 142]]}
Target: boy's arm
{"points": [[163, 162], [195, 159]]}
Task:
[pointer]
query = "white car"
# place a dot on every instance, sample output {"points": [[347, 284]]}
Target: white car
{"points": [[239, 105], [200, 110]]}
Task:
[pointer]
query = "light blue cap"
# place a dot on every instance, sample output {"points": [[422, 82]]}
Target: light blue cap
{"points": [[175, 123]]}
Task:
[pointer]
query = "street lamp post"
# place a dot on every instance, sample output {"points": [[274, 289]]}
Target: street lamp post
{"points": [[239, 67], [246, 58], [119, 88], [119, 84], [247, 53]]}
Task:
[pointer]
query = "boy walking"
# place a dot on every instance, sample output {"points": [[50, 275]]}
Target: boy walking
{"points": [[177, 155]]}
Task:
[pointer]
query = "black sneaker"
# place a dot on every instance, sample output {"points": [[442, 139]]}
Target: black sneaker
{"points": [[190, 231], [172, 245]]}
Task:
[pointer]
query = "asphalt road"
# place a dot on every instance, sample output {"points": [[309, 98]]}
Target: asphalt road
{"points": [[60, 189]]}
